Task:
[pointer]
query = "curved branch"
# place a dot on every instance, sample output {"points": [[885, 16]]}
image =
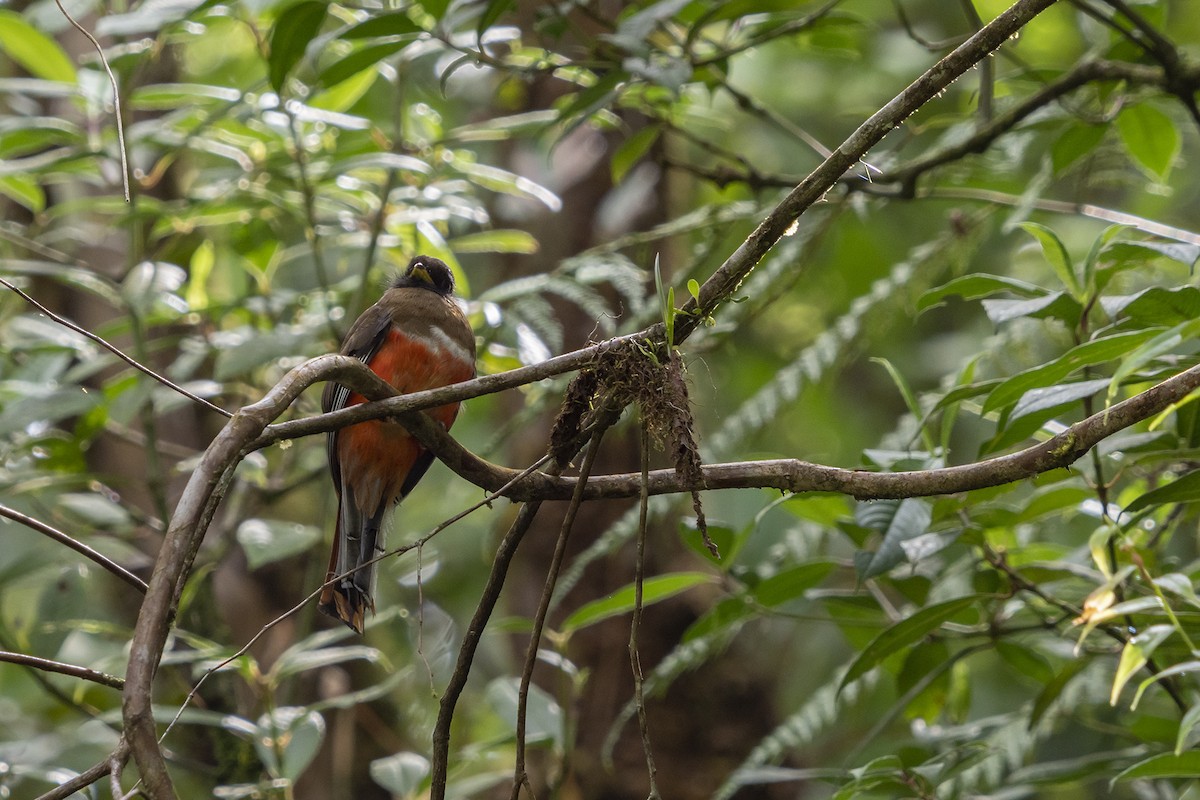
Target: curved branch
{"points": [[192, 515], [84, 779]]}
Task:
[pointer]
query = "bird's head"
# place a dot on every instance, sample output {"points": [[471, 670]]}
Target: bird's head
{"points": [[427, 272]]}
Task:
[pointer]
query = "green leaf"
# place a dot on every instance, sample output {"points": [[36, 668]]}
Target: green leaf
{"points": [[1163, 765], [268, 540], [1056, 255], [975, 286], [293, 32], [363, 58], [1049, 397], [498, 241], [1157, 305], [1186, 726], [1184, 490], [580, 107], [297, 659], [35, 51], [159, 96], [898, 521], [1087, 354], [493, 12], [499, 180], [905, 633], [1056, 305], [621, 601], [631, 151], [1135, 654], [1151, 138], [727, 540], [401, 773], [395, 23], [1181, 668], [24, 190], [543, 715], [1053, 689], [340, 96], [791, 583], [910, 399], [1076, 142], [1024, 660], [1161, 344], [288, 738]]}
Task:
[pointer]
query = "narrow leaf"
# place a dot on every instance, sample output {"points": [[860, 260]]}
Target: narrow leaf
{"points": [[631, 151], [1135, 654], [1164, 765], [973, 287], [1184, 490], [1049, 397], [903, 634], [294, 30], [1098, 351], [1056, 255], [1161, 344], [35, 51], [622, 601]]}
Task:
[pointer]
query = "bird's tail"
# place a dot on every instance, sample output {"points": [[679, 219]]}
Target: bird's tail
{"points": [[357, 541]]}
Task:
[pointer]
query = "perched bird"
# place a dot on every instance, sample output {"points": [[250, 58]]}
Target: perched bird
{"points": [[415, 338]]}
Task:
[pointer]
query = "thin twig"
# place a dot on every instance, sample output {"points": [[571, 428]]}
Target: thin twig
{"points": [[46, 665], [520, 778], [439, 771], [66, 323], [116, 96], [81, 781], [639, 574], [417, 545], [76, 545]]}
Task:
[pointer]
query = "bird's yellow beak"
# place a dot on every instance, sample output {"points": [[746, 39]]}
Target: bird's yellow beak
{"points": [[420, 272]]}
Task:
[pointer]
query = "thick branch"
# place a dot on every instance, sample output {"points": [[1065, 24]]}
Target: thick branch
{"points": [[196, 507], [793, 475]]}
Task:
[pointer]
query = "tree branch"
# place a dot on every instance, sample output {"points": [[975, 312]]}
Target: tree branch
{"points": [[46, 665], [116, 351], [794, 475], [76, 545]]}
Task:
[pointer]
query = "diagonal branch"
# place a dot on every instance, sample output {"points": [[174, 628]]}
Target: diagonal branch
{"points": [[74, 544]]}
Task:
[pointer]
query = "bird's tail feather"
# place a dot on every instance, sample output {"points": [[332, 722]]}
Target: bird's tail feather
{"points": [[358, 539]]}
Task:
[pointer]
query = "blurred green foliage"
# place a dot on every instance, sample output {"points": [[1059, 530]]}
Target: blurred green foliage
{"points": [[943, 305]]}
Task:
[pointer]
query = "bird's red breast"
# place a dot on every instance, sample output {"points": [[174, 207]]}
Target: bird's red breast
{"points": [[376, 456]]}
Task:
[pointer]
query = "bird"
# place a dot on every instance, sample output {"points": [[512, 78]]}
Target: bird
{"points": [[415, 338]]}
